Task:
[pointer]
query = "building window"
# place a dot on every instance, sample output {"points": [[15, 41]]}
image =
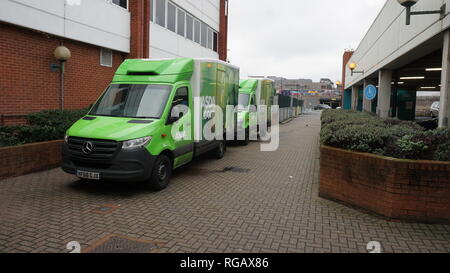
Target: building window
{"points": [[160, 12], [204, 34], [121, 3], [171, 17], [215, 42], [197, 31], [210, 38], [189, 27], [106, 57], [151, 10], [181, 20], [174, 18]]}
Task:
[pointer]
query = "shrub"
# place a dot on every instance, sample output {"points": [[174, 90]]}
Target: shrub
{"points": [[43, 126], [363, 132]]}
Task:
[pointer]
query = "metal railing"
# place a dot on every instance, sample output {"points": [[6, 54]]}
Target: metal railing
{"points": [[290, 107]]}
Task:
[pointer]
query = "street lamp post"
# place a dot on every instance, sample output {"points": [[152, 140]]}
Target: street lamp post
{"points": [[408, 4], [352, 67], [62, 54]]}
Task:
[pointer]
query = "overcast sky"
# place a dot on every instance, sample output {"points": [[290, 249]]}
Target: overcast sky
{"points": [[297, 38]]}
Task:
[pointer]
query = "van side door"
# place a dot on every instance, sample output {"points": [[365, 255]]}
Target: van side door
{"points": [[180, 123]]}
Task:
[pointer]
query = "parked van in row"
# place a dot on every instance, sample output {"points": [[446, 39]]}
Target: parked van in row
{"points": [[255, 95], [137, 130]]}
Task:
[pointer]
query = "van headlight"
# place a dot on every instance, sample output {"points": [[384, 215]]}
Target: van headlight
{"points": [[136, 143], [66, 138]]}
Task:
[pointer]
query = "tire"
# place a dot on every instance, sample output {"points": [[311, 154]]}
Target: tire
{"points": [[161, 174], [219, 152]]}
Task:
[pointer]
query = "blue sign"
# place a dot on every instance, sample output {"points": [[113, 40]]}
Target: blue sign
{"points": [[370, 92]]}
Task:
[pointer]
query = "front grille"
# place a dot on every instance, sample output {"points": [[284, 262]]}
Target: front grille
{"points": [[103, 150]]}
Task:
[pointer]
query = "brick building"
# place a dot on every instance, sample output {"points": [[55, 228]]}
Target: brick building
{"points": [[100, 34]]}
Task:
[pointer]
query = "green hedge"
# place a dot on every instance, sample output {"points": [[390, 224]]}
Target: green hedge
{"points": [[42, 126], [364, 132]]}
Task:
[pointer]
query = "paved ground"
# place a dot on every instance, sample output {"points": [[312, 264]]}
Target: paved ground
{"points": [[274, 207]]}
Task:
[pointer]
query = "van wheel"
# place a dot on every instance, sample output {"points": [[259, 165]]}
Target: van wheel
{"points": [[219, 152], [161, 174]]}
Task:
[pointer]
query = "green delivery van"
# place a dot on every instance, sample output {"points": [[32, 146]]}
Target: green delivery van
{"points": [[253, 93], [151, 120]]}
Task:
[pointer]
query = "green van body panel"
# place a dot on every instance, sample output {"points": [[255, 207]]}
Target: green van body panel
{"points": [[210, 80], [262, 92]]}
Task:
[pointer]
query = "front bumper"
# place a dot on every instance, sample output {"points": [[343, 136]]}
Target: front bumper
{"points": [[129, 166]]}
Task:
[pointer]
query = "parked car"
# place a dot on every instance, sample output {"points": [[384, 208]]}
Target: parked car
{"points": [[434, 109], [322, 107]]}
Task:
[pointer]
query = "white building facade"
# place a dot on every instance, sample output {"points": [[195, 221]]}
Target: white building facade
{"points": [[185, 28], [397, 57]]}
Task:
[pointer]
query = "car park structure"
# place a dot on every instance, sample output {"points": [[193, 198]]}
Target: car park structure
{"points": [[400, 60]]}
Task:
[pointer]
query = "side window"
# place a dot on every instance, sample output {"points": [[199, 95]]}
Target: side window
{"points": [[121, 3], [180, 105], [171, 17], [181, 97], [160, 12], [197, 31], [181, 22]]}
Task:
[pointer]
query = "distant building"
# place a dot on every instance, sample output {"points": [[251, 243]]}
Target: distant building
{"points": [[302, 85]]}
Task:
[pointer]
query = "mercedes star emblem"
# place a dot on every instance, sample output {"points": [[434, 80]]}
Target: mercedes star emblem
{"points": [[88, 147]]}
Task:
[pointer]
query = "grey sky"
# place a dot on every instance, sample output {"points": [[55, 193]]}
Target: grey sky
{"points": [[297, 38]]}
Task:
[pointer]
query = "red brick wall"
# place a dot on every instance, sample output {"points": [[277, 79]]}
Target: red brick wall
{"points": [[398, 189], [140, 28], [223, 31], [345, 59], [27, 84], [20, 160]]}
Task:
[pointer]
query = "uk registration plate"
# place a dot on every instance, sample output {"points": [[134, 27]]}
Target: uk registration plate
{"points": [[88, 175]]}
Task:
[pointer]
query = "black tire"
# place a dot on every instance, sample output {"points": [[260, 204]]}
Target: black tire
{"points": [[219, 152], [161, 174]]}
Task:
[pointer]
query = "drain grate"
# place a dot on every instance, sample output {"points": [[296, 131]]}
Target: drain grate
{"points": [[106, 209], [235, 170], [122, 244]]}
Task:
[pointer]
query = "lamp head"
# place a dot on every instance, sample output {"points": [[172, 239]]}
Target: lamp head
{"points": [[352, 66], [62, 53], [407, 3]]}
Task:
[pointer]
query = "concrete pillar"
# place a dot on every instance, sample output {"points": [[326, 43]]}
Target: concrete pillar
{"points": [[367, 104], [384, 93], [444, 107], [354, 97]]}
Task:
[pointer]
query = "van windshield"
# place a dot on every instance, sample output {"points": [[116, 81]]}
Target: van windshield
{"points": [[133, 101], [244, 99]]}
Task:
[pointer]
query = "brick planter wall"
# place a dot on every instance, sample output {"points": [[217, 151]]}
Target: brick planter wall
{"points": [[20, 160], [410, 190]]}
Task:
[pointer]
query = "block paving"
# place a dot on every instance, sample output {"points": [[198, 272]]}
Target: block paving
{"points": [[272, 207]]}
